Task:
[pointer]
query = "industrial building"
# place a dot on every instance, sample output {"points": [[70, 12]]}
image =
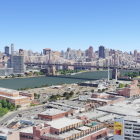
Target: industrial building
{"points": [[16, 98], [52, 114], [64, 129], [131, 90]]}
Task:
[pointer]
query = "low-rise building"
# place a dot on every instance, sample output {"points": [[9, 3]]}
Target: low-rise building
{"points": [[52, 114], [131, 90], [104, 99], [9, 134], [64, 129], [15, 98]]}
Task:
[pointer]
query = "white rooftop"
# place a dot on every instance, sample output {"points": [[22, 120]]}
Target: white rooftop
{"points": [[27, 130], [52, 112], [14, 98], [4, 131], [63, 122], [10, 91], [99, 99], [84, 128]]}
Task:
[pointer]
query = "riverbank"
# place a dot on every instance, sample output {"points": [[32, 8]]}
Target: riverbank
{"points": [[23, 77]]}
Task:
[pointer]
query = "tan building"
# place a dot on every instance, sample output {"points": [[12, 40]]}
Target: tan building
{"points": [[16, 98]]}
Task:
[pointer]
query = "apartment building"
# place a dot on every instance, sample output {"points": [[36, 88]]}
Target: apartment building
{"points": [[15, 98], [131, 90], [127, 128], [64, 129], [9, 134]]}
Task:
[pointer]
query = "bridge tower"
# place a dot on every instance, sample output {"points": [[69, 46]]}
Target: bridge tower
{"points": [[53, 70]]}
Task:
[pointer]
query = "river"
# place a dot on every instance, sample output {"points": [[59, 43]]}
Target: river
{"points": [[50, 80]]}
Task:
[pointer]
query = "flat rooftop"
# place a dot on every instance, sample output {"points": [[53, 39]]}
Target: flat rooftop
{"points": [[4, 131], [123, 108], [14, 98], [63, 122], [10, 91], [27, 130], [52, 112], [131, 118]]}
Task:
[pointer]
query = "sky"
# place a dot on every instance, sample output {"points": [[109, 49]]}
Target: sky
{"points": [[78, 24]]}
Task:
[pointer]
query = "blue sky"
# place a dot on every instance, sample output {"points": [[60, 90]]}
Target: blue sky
{"points": [[78, 24]]}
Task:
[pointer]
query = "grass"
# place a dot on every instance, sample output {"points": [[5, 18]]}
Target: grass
{"points": [[138, 76]]}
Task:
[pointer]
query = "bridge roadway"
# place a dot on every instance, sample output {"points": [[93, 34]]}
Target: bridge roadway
{"points": [[79, 65]]}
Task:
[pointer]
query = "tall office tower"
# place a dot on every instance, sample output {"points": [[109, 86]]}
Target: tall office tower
{"points": [[0, 53], [68, 49], [110, 53], [90, 52], [12, 51], [101, 52], [62, 52], [7, 51], [106, 52], [21, 52], [79, 53], [44, 51], [18, 64], [135, 53], [130, 53]]}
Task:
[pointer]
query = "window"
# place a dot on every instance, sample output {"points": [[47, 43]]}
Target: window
{"points": [[55, 132], [41, 138]]}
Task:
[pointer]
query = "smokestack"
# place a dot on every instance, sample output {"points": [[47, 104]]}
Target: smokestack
{"points": [[108, 75], [116, 75]]}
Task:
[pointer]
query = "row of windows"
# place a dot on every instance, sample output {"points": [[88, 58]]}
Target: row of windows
{"points": [[28, 137]]}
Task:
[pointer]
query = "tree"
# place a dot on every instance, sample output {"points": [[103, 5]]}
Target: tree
{"points": [[68, 97], [78, 92], [99, 90], [9, 105], [4, 102], [65, 94], [71, 93], [103, 90], [38, 95], [6, 77], [18, 106], [53, 97], [35, 95], [92, 90], [126, 85], [121, 85]]}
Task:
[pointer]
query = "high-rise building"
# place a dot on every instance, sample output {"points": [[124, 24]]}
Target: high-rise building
{"points": [[21, 52], [110, 52], [106, 53], [46, 51], [18, 64], [7, 51], [101, 52], [90, 52], [135, 53], [12, 51]]}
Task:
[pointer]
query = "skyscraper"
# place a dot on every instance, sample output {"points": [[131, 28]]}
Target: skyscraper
{"points": [[12, 51], [135, 53], [101, 52], [21, 52], [90, 52], [110, 52], [7, 50]]}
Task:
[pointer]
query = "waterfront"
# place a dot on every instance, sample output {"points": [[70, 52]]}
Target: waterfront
{"points": [[50, 80]]}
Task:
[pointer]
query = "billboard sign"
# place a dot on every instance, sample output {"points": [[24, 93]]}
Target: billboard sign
{"points": [[118, 128]]}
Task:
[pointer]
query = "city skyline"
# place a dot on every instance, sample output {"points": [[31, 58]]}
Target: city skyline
{"points": [[75, 24]]}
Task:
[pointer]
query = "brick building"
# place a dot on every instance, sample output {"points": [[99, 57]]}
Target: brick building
{"points": [[104, 99], [131, 90], [52, 114], [64, 129], [16, 98]]}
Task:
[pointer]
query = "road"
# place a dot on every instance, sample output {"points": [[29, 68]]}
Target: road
{"points": [[4, 120]]}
